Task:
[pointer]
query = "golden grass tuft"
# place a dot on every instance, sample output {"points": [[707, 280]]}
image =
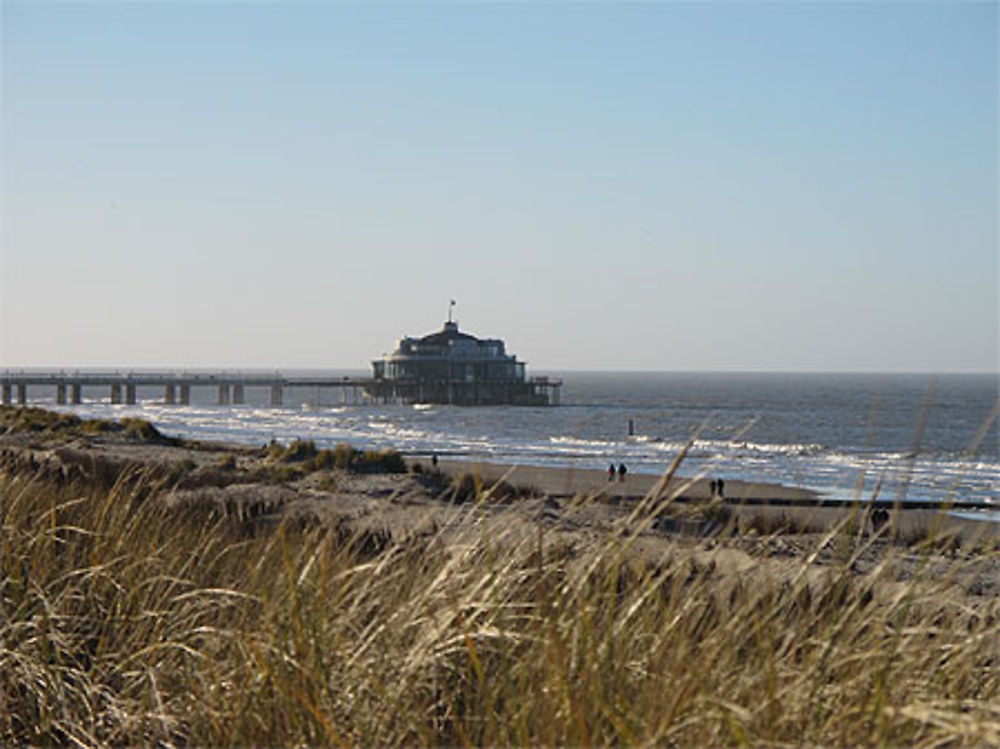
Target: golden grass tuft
{"points": [[125, 622]]}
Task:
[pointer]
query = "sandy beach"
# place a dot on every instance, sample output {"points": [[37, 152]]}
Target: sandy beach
{"points": [[571, 481]]}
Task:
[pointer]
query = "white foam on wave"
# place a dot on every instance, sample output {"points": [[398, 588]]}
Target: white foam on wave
{"points": [[744, 447], [398, 432], [577, 441]]}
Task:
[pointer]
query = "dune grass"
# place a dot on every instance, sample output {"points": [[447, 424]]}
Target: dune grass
{"points": [[126, 623], [342, 456]]}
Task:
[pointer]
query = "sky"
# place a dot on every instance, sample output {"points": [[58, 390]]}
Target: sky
{"points": [[658, 186]]}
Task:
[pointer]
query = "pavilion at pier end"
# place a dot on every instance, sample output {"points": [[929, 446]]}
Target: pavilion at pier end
{"points": [[450, 366]]}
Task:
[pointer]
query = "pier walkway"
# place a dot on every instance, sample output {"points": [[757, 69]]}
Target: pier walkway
{"points": [[122, 387]]}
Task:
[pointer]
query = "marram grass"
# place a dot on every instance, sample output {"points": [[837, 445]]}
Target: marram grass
{"points": [[127, 623]]}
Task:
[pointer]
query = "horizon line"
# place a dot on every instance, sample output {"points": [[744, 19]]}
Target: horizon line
{"points": [[14, 369]]}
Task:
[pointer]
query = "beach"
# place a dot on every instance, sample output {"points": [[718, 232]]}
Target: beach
{"points": [[238, 476], [819, 432], [800, 506], [571, 481]]}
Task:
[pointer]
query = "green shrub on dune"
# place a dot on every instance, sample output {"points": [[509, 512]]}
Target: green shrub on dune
{"points": [[342, 456], [380, 461], [141, 430], [226, 462], [100, 426], [53, 424], [16, 419], [296, 452]]}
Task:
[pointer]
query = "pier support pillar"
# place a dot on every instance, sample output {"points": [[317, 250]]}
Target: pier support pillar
{"points": [[170, 394], [6, 393], [130, 394], [223, 394], [276, 395], [116, 393], [75, 395], [185, 395], [238, 397], [22, 393], [61, 394]]}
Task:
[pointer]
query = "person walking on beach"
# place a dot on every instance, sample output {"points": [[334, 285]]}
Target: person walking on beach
{"points": [[719, 484], [611, 472], [879, 518], [622, 470]]}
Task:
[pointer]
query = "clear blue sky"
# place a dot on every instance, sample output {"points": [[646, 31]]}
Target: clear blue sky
{"points": [[658, 186]]}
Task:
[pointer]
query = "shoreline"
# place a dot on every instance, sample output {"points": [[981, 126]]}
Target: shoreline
{"points": [[569, 481], [829, 469], [69, 446], [777, 502]]}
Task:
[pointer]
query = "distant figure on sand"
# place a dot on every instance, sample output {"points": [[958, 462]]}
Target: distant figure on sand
{"points": [[622, 470], [434, 459], [719, 486], [611, 472], [879, 519]]}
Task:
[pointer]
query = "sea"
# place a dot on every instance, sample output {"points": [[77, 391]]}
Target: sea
{"points": [[894, 436]]}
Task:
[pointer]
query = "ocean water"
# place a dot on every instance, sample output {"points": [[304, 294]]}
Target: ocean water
{"points": [[914, 436]]}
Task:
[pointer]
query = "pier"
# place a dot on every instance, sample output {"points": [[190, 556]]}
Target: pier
{"points": [[229, 387]]}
